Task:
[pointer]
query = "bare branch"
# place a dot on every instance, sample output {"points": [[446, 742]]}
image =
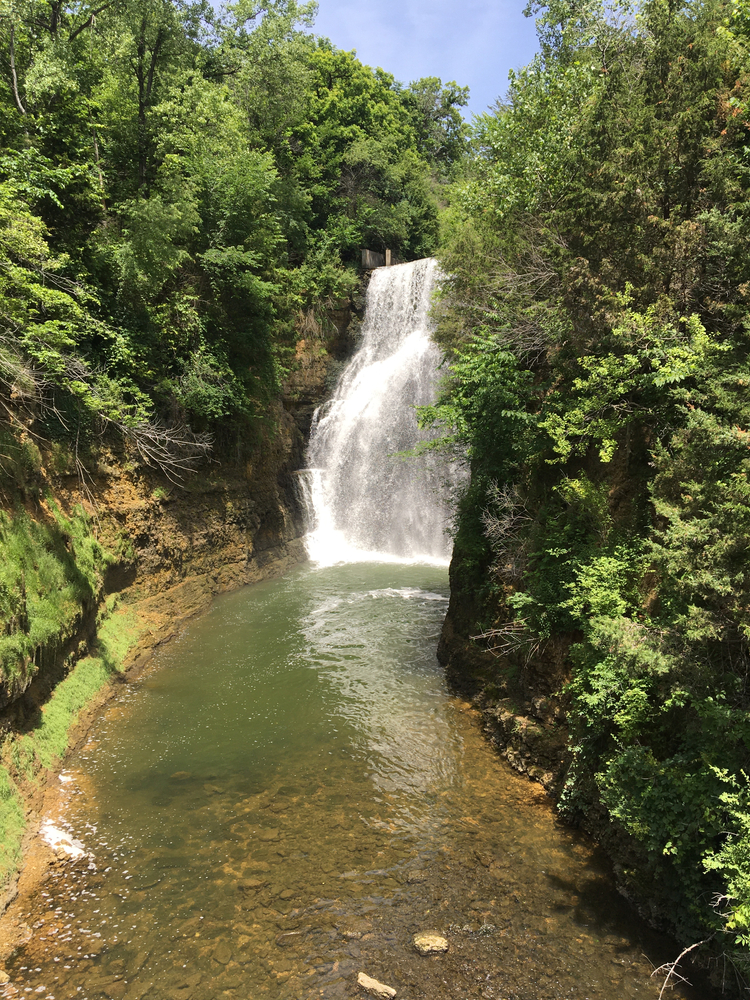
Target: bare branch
{"points": [[14, 77], [504, 520], [175, 450], [512, 637], [89, 20], [670, 968]]}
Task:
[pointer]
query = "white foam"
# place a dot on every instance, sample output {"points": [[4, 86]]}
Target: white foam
{"points": [[329, 547], [408, 594], [60, 841]]}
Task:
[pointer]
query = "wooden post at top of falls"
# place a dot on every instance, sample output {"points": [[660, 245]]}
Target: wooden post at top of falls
{"points": [[371, 260]]}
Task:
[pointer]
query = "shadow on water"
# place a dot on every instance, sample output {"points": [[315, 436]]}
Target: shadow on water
{"points": [[290, 795]]}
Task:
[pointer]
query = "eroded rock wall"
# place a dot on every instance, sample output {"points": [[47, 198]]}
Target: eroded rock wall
{"points": [[177, 542]]}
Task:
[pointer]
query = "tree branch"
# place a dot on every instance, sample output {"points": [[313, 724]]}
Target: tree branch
{"points": [[160, 34], [670, 968], [89, 20], [14, 78], [173, 449]]}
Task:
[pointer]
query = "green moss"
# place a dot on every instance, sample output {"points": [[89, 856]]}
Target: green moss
{"points": [[28, 755], [11, 825], [50, 573]]}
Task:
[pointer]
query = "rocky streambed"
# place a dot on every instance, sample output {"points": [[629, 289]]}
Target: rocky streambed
{"points": [[289, 797]]}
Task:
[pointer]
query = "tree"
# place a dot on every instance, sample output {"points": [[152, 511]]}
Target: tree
{"points": [[599, 240]]}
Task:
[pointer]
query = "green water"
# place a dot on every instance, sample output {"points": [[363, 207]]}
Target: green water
{"points": [[290, 794]]}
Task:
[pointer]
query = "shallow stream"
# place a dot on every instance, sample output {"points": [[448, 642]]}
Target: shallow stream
{"points": [[290, 794]]}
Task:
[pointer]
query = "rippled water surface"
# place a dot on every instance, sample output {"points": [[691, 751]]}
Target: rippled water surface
{"points": [[290, 794]]}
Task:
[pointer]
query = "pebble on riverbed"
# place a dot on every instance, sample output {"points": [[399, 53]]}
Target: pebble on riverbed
{"points": [[375, 988], [430, 943]]}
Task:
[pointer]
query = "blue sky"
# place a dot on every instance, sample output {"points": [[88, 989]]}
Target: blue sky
{"points": [[474, 42]]}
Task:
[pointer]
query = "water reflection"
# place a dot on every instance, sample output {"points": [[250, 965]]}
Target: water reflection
{"points": [[381, 699]]}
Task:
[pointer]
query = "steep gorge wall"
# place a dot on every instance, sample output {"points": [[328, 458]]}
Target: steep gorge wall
{"points": [[168, 546], [525, 710], [131, 555]]}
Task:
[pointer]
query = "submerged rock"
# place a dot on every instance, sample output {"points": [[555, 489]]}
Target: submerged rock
{"points": [[251, 884], [374, 988], [430, 943], [290, 938], [222, 953]]}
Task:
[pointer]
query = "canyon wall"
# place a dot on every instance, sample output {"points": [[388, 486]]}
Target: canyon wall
{"points": [[106, 556]]}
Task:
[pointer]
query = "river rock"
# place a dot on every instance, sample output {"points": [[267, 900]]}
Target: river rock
{"points": [[189, 982], [290, 938], [222, 953], [139, 990], [4, 977], [251, 884], [374, 988], [268, 835], [354, 928], [430, 943]]}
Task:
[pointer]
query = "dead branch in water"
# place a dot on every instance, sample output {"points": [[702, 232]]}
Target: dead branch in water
{"points": [[670, 968]]}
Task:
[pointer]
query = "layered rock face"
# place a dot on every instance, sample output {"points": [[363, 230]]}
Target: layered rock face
{"points": [[171, 544], [229, 524]]}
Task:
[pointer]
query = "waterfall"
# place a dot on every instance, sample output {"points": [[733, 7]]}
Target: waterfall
{"points": [[366, 500]]}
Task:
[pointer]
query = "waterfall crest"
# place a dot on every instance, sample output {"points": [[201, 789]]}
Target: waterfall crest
{"points": [[365, 501]]}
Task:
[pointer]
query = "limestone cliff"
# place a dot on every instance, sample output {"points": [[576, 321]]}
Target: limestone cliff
{"points": [[105, 556]]}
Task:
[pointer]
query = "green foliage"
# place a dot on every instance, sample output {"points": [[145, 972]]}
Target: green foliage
{"points": [[167, 172], [12, 825], [50, 573], [597, 242], [482, 402], [438, 125]]}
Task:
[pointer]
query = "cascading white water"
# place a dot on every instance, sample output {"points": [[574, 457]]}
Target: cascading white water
{"points": [[366, 500]]}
